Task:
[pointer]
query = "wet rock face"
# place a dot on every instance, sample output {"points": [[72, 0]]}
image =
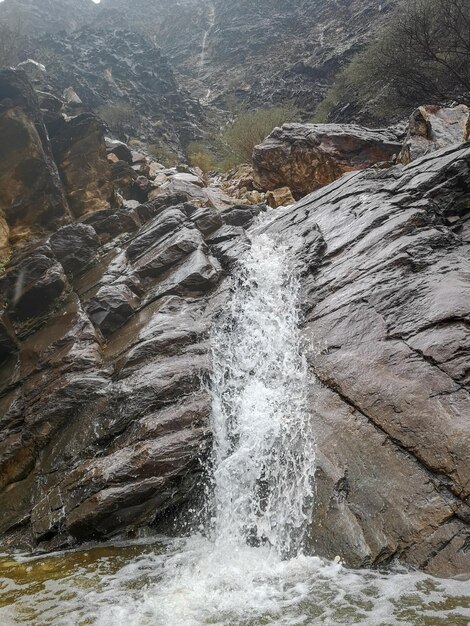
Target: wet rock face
{"points": [[103, 357], [387, 312], [32, 201], [79, 149], [32, 287], [305, 157], [432, 127], [112, 66], [75, 246]]}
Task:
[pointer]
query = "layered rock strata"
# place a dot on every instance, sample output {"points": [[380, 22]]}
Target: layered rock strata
{"points": [[387, 313], [305, 157]]}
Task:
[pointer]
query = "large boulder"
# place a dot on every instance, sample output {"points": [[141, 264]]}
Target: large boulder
{"points": [[432, 127], [32, 201], [75, 246], [80, 152], [33, 287], [305, 157]]}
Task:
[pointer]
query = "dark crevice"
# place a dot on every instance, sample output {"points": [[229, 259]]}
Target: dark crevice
{"points": [[441, 545]]}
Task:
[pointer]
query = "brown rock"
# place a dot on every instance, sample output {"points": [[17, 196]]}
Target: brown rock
{"points": [[109, 224], [80, 151], [279, 197], [128, 182], [111, 307], [192, 193], [305, 157], [432, 127], [119, 150], [31, 196]]}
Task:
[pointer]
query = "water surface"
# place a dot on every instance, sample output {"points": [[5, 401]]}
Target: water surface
{"points": [[193, 582]]}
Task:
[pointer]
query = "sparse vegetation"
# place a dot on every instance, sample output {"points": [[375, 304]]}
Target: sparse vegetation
{"points": [[421, 55], [119, 117], [163, 154], [199, 155], [250, 128]]}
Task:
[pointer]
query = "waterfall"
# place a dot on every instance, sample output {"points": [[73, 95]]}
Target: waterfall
{"points": [[211, 22], [247, 562], [248, 567], [263, 454]]}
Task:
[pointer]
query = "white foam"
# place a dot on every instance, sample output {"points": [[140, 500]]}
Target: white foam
{"points": [[249, 568]]}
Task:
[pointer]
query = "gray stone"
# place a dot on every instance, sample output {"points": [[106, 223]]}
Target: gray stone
{"points": [[75, 246]]}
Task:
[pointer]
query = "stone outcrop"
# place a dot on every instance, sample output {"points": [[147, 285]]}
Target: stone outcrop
{"points": [[123, 75], [79, 149], [432, 127], [387, 312], [279, 197], [104, 408], [32, 200], [305, 157], [104, 412]]}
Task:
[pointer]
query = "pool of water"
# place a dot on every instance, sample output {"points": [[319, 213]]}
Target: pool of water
{"points": [[191, 582]]}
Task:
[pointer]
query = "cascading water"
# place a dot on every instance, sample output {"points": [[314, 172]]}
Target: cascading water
{"points": [[247, 567], [211, 22], [263, 450]]}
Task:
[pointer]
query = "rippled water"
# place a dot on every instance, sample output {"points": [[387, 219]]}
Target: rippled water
{"points": [[189, 582], [248, 569]]}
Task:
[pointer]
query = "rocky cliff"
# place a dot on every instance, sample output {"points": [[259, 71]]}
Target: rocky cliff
{"points": [[262, 52], [104, 343], [107, 67], [48, 15]]}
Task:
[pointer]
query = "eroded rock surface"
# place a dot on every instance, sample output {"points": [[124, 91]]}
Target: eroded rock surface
{"points": [[80, 152], [387, 312], [104, 356], [32, 200], [305, 157], [432, 127]]}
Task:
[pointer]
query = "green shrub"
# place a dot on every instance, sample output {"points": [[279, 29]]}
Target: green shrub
{"points": [[201, 156], [163, 154], [249, 129], [119, 117], [422, 55]]}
